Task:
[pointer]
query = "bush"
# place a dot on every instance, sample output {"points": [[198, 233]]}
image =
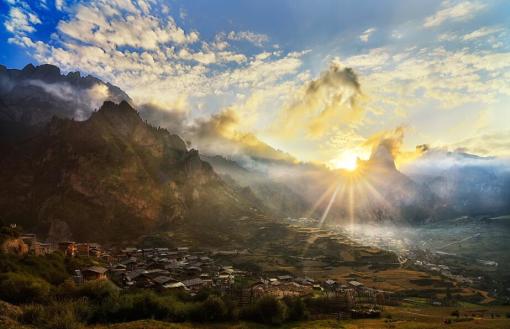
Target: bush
{"points": [[141, 305], [212, 309], [97, 290], [32, 314], [266, 310], [61, 315], [296, 309], [23, 288]]}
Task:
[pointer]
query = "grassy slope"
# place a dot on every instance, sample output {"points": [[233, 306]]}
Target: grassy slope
{"points": [[402, 318]]}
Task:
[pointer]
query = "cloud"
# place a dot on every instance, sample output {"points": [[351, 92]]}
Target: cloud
{"points": [[130, 44], [387, 146], [408, 79], [327, 101], [454, 11], [59, 4], [219, 134], [83, 100], [366, 35], [481, 32], [486, 144], [21, 20], [255, 38], [111, 25]]}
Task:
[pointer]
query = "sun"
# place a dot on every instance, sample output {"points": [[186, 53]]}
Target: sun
{"points": [[347, 160]]}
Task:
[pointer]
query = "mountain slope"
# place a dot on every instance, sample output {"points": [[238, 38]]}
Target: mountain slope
{"points": [[276, 196], [33, 95], [110, 177]]}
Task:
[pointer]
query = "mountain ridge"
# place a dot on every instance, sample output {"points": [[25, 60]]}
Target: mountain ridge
{"points": [[112, 171]]}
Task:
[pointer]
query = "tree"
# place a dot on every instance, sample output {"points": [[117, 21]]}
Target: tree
{"points": [[270, 310]]}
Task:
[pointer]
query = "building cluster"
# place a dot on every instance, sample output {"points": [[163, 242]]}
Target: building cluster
{"points": [[68, 248], [165, 269], [191, 270]]}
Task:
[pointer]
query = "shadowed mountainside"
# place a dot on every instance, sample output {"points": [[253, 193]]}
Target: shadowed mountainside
{"points": [[110, 177]]}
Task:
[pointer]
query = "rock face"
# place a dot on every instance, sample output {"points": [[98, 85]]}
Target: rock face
{"points": [[109, 178], [390, 196], [33, 95]]}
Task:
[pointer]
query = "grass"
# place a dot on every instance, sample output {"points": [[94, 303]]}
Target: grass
{"points": [[401, 318]]}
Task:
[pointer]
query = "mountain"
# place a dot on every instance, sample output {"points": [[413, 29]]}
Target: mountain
{"points": [[386, 194], [110, 178], [33, 95], [276, 196], [466, 183]]}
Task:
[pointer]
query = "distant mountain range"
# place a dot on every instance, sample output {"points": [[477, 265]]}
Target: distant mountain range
{"points": [[69, 170]]}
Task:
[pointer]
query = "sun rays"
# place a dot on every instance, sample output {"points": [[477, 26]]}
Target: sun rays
{"points": [[347, 199]]}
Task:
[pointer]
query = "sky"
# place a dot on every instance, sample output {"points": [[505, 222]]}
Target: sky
{"points": [[316, 79]]}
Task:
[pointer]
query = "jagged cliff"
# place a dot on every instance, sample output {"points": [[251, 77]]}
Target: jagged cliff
{"points": [[110, 177]]}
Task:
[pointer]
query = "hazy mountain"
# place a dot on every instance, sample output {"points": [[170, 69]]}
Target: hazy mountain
{"points": [[33, 95], [277, 196], [110, 177], [466, 183], [386, 194]]}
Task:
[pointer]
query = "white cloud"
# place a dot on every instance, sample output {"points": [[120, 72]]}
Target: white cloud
{"points": [[481, 32], [156, 61], [255, 38], [453, 11], [59, 4], [402, 82], [21, 20], [366, 35]]}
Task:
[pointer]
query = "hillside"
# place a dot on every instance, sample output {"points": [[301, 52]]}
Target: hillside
{"points": [[33, 95], [110, 177]]}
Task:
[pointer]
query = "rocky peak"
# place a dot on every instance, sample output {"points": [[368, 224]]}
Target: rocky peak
{"points": [[382, 157]]}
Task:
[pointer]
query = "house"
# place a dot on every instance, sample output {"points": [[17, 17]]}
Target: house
{"points": [[131, 276], [356, 284], [67, 247], [284, 278], [83, 249], [161, 280], [194, 284], [94, 273], [130, 263], [45, 248], [95, 250], [174, 286]]}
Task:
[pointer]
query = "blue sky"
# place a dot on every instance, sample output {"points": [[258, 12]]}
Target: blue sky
{"points": [[439, 69]]}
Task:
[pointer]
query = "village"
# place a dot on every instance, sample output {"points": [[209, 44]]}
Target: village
{"points": [[186, 270]]}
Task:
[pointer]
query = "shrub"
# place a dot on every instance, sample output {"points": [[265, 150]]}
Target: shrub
{"points": [[62, 316], [296, 309], [266, 310], [32, 314], [23, 288], [57, 315], [141, 305], [212, 309], [98, 290]]}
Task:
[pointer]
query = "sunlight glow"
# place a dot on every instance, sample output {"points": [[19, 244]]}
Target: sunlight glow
{"points": [[348, 159]]}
